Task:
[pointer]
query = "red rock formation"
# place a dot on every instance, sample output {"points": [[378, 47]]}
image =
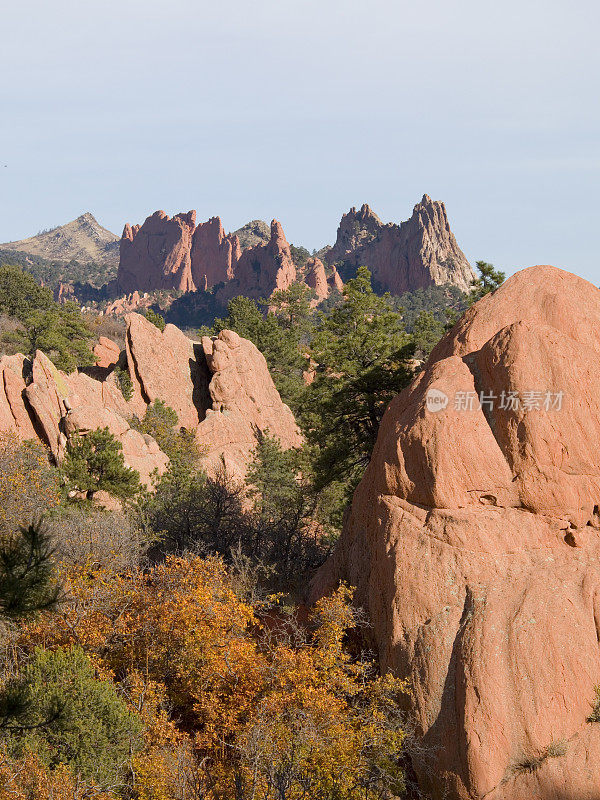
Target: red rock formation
{"points": [[316, 278], [52, 406], [220, 388], [157, 254], [402, 258], [14, 416], [167, 253], [130, 302], [214, 254], [262, 269], [107, 353], [474, 541], [165, 366], [356, 229], [335, 281], [244, 403]]}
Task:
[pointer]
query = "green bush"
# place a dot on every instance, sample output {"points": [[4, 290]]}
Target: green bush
{"points": [[95, 462], [155, 319], [124, 382], [59, 710]]}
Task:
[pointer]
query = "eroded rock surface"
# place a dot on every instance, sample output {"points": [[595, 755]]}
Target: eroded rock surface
{"points": [[244, 403], [220, 388], [474, 541], [416, 254], [175, 254]]}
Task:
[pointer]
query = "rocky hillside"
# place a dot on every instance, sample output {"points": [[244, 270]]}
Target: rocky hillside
{"points": [[83, 240], [252, 233], [413, 255], [220, 388], [474, 541]]}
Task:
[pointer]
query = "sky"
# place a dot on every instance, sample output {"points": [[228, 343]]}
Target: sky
{"points": [[300, 109]]}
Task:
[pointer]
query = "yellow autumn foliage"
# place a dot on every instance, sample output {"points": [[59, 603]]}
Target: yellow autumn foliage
{"points": [[232, 707], [28, 484]]}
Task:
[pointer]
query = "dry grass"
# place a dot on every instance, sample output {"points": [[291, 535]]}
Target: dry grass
{"points": [[528, 764]]}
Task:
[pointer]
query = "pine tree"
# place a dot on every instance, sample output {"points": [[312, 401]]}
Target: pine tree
{"points": [[488, 281], [427, 332], [95, 462], [362, 352], [155, 319], [60, 331], [59, 710], [27, 582]]}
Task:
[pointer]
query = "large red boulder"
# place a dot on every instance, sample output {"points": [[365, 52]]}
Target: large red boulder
{"points": [[244, 403], [163, 365], [474, 542]]}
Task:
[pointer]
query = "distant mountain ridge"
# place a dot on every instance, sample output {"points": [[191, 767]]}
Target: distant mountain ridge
{"points": [[176, 254], [83, 240]]}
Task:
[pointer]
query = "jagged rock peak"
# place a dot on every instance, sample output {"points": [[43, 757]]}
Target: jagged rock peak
{"points": [[414, 254], [174, 253]]}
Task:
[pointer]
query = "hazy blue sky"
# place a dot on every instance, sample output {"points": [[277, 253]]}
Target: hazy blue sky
{"points": [[299, 109]]}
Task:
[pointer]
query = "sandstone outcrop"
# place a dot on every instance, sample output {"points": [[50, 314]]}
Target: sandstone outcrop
{"points": [[131, 302], [416, 254], [244, 403], [14, 416], [166, 366], [262, 269], [214, 254], [175, 254], [474, 542], [157, 254], [316, 278], [335, 280], [39, 401], [107, 353], [220, 389]]}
